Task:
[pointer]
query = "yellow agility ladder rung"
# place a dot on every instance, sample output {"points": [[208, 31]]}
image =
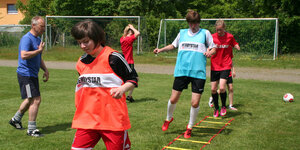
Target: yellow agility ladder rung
{"points": [[216, 122], [207, 127], [214, 117], [201, 142], [169, 147]]}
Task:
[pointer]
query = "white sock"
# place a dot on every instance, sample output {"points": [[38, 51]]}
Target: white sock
{"points": [[170, 111], [31, 125], [193, 116]]}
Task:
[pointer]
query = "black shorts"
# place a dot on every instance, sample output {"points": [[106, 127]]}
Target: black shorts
{"points": [[216, 75], [29, 86], [133, 70], [229, 80], [181, 83]]}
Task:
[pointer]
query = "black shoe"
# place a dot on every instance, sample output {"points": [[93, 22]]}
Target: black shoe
{"points": [[34, 133], [130, 99], [16, 124]]}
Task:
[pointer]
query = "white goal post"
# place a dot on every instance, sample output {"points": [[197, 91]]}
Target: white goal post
{"points": [[272, 29], [138, 18]]}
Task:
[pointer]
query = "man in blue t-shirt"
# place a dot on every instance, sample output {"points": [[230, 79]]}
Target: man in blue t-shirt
{"points": [[194, 46], [29, 63]]}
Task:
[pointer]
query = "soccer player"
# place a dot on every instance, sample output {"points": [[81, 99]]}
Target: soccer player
{"points": [[221, 64], [29, 63], [230, 90], [129, 36], [104, 77], [190, 66]]}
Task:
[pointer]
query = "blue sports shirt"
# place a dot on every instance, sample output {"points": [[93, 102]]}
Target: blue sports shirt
{"points": [[191, 61], [29, 67]]}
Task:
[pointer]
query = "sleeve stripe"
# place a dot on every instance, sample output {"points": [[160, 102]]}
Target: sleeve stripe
{"points": [[123, 60]]}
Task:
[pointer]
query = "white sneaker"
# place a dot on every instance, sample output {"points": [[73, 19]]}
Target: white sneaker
{"points": [[211, 102], [233, 108]]}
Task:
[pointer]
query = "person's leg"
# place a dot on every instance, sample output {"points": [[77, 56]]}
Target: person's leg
{"points": [[197, 90], [85, 139], [179, 84], [194, 109], [214, 94], [230, 96], [223, 83], [116, 140], [33, 111], [172, 104], [22, 109], [223, 93]]}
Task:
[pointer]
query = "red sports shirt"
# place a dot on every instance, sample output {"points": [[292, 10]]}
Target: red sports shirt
{"points": [[95, 107], [222, 60], [126, 46]]}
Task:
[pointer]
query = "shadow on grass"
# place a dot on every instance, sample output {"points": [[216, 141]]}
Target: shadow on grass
{"points": [[145, 99], [54, 128]]}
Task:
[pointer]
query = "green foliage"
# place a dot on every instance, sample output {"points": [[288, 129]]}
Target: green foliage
{"points": [[103, 8], [7, 40], [286, 10]]}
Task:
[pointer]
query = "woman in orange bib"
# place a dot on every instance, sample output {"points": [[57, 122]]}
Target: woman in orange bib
{"points": [[104, 77]]}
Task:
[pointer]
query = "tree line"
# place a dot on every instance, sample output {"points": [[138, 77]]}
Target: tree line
{"points": [[153, 10]]}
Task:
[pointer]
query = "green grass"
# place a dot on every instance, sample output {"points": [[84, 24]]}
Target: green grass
{"points": [[166, 58], [263, 120]]}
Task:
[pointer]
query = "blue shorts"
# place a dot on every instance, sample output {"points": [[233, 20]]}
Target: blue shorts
{"points": [[29, 86]]}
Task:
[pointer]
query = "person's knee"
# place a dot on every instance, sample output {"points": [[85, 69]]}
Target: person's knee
{"points": [[195, 104], [214, 90], [222, 90], [174, 100], [36, 101]]}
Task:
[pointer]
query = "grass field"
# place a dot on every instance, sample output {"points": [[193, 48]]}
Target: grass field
{"points": [[263, 120], [166, 58]]}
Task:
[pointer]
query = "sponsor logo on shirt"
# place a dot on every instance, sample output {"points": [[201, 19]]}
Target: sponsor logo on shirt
{"points": [[98, 80], [222, 46]]}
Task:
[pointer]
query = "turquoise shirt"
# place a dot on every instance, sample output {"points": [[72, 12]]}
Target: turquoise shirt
{"points": [[191, 61]]}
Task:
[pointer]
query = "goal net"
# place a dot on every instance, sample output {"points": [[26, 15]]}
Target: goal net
{"points": [[257, 37], [59, 34], [10, 35]]}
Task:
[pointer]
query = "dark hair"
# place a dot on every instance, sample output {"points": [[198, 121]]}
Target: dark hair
{"points": [[91, 29], [193, 17]]}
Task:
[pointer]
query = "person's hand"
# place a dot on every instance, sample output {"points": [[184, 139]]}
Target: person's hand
{"points": [[130, 26], [45, 76], [156, 51], [233, 74], [207, 54], [41, 47], [117, 92]]}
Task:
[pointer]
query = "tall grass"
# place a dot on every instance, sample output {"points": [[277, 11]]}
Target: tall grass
{"points": [[263, 120]]}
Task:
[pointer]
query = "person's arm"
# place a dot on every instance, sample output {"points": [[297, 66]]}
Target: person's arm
{"points": [[46, 72], [237, 47], [29, 54], [172, 46], [122, 69], [136, 32], [233, 71], [166, 48], [211, 50]]}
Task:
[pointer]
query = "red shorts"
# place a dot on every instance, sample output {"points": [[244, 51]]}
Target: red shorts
{"points": [[86, 139]]}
